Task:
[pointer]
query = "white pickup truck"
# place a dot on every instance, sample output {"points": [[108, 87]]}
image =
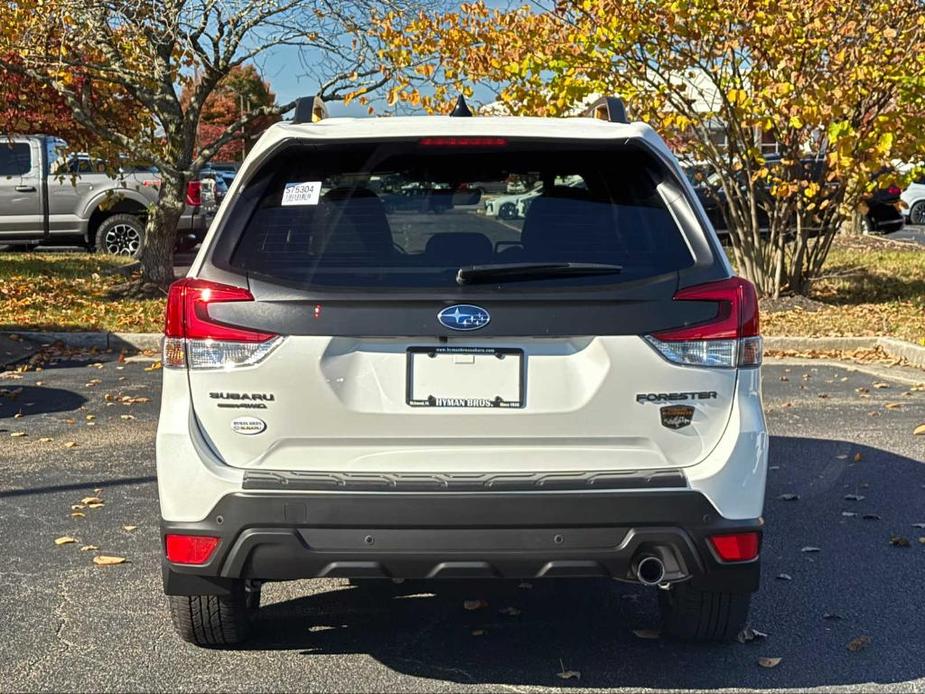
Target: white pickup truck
{"points": [[48, 197]]}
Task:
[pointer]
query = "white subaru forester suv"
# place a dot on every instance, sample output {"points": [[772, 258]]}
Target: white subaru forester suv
{"points": [[360, 383]]}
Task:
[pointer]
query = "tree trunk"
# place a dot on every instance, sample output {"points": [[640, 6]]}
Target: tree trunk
{"points": [[161, 234]]}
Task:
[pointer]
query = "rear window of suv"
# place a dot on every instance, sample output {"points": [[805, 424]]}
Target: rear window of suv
{"points": [[400, 214]]}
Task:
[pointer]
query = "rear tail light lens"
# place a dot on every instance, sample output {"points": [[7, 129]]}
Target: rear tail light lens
{"points": [[190, 549], [736, 546], [194, 193], [196, 340], [730, 339]]}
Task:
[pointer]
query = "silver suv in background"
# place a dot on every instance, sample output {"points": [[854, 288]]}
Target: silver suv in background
{"points": [[48, 197]]}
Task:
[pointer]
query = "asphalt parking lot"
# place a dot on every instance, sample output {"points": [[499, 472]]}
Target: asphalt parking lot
{"points": [[68, 624]]}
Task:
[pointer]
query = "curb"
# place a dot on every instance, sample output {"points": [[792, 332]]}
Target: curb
{"points": [[912, 353], [99, 340]]}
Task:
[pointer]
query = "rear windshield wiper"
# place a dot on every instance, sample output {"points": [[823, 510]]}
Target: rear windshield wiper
{"points": [[512, 272]]}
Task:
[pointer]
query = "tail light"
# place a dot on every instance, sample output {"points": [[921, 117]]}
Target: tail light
{"points": [[194, 193], [193, 338], [730, 339], [894, 190], [190, 549], [736, 546]]}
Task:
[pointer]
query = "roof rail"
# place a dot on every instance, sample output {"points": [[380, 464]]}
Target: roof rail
{"points": [[461, 109], [609, 108], [309, 109]]}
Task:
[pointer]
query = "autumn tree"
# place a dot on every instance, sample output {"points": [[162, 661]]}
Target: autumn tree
{"points": [[243, 89], [150, 51], [838, 82]]}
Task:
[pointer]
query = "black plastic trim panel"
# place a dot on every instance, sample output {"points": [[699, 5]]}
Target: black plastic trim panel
{"points": [[462, 482], [543, 534]]}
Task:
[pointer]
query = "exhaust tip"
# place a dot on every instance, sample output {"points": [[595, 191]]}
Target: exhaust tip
{"points": [[650, 570]]}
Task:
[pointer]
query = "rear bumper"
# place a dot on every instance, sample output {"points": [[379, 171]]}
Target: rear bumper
{"points": [[487, 534]]}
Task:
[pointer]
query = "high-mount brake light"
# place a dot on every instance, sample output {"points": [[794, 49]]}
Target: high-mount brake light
{"points": [[731, 338], [193, 338], [480, 141]]}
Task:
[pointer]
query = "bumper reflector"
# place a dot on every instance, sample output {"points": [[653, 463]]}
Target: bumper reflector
{"points": [[736, 547], [190, 549]]}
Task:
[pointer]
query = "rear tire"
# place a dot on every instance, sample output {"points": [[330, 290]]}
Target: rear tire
{"points": [[702, 615], [917, 213], [508, 211], [121, 234], [215, 621]]}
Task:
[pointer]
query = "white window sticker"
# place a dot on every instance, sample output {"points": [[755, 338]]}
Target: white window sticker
{"points": [[304, 193]]}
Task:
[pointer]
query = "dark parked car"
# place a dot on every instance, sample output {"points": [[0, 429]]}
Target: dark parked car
{"points": [[881, 210]]}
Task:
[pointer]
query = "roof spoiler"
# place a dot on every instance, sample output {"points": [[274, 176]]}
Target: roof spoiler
{"points": [[609, 108], [309, 109]]}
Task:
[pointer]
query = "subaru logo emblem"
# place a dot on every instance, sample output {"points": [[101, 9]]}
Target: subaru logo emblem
{"points": [[463, 317]]}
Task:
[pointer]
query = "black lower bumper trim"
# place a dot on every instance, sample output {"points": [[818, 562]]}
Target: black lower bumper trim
{"points": [[267, 536]]}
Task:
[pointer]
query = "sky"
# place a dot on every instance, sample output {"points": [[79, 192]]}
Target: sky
{"points": [[283, 69]]}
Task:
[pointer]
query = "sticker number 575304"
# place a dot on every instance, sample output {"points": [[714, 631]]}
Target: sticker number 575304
{"points": [[304, 193]]}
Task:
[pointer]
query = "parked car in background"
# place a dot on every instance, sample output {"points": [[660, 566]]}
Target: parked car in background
{"points": [[914, 199], [880, 211], [50, 197], [227, 170]]}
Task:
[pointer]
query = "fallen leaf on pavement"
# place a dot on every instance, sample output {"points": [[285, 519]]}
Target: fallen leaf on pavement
{"points": [[810, 549], [90, 417], [843, 456], [129, 528], [106, 560], [154, 367], [769, 662], [922, 540], [857, 457], [893, 405], [878, 386], [88, 548], [848, 514], [748, 634], [919, 430], [647, 633], [856, 644], [831, 615], [45, 439], [18, 434], [853, 497], [474, 604], [918, 525], [784, 577], [789, 497], [564, 674], [126, 416], [70, 444], [91, 500], [64, 540], [899, 541], [99, 505], [78, 514]]}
